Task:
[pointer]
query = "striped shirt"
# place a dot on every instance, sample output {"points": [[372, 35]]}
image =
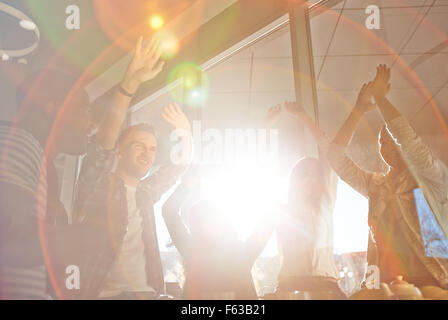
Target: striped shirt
{"points": [[22, 163], [23, 201], [23, 283]]}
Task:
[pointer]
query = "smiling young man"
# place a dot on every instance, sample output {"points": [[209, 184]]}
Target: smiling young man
{"points": [[119, 203]]}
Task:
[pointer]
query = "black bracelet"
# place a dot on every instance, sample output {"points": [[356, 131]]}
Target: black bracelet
{"points": [[124, 92]]}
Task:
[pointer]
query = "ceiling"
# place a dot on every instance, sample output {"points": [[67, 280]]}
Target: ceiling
{"points": [[108, 31], [413, 32], [412, 39]]}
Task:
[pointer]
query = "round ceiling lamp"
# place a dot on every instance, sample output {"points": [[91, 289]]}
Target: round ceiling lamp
{"points": [[26, 23]]}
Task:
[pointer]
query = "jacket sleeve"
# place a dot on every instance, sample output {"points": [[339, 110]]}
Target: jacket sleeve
{"points": [[419, 158], [152, 188], [429, 171], [96, 166], [348, 171], [170, 212]]}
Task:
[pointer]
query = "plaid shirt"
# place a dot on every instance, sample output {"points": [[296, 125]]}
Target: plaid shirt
{"points": [[101, 203]]}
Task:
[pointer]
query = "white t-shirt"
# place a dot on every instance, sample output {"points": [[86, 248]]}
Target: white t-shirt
{"points": [[128, 272]]}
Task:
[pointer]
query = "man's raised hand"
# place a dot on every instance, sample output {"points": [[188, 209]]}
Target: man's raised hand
{"points": [[145, 65], [174, 116]]}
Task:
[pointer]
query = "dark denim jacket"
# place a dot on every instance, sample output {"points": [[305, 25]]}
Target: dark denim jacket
{"points": [[101, 203]]}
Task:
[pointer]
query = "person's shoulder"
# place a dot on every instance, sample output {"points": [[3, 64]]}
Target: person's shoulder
{"points": [[24, 165], [286, 220], [11, 131]]}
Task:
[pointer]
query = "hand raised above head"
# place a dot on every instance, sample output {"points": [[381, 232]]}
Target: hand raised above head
{"points": [[364, 101], [272, 115], [294, 108], [381, 84], [145, 64], [173, 115]]}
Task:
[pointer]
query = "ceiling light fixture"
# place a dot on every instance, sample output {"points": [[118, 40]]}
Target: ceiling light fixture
{"points": [[26, 23]]}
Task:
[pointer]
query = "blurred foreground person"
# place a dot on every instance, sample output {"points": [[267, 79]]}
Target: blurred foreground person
{"points": [[305, 232], [396, 244], [118, 202], [217, 264], [49, 122]]}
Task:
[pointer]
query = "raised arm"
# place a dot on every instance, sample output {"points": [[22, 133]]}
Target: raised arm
{"points": [[189, 188], [297, 111], [335, 152], [416, 153], [429, 171], [144, 66], [347, 170], [379, 88], [259, 238], [100, 157], [170, 212], [363, 105], [153, 187]]}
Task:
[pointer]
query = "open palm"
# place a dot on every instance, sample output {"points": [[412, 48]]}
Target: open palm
{"points": [[174, 116], [294, 109], [272, 115], [145, 64], [381, 83]]}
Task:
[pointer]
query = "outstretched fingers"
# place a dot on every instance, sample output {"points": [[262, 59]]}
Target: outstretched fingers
{"points": [[177, 108], [149, 46], [138, 48], [168, 115]]}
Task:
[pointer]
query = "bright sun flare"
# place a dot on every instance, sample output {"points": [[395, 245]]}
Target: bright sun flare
{"points": [[246, 192]]}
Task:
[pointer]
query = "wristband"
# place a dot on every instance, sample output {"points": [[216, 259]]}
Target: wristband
{"points": [[124, 92]]}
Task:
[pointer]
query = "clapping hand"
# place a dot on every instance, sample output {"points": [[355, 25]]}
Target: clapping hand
{"points": [[364, 101], [381, 84]]}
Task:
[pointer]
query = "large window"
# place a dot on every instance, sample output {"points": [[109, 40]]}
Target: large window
{"points": [[412, 38], [235, 96], [234, 90]]}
